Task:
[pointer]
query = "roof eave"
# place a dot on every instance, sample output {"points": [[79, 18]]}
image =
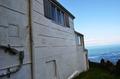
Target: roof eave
{"points": [[79, 33], [58, 4]]}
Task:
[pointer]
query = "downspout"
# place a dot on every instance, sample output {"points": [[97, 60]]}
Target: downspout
{"points": [[30, 36]]}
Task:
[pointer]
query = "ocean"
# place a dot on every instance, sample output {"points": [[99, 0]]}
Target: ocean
{"points": [[107, 52]]}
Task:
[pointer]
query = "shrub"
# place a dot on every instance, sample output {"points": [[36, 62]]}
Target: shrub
{"points": [[118, 67], [102, 61]]}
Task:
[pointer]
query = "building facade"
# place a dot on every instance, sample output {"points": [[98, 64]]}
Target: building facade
{"points": [[38, 41]]}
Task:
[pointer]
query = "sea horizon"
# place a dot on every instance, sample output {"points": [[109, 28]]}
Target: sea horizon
{"points": [[109, 52]]}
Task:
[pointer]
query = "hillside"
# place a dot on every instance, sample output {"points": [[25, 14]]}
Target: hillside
{"points": [[97, 72]]}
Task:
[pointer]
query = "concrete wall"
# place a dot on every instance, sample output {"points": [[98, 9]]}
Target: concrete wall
{"points": [[55, 53], [14, 31], [81, 53], [53, 42], [81, 56]]}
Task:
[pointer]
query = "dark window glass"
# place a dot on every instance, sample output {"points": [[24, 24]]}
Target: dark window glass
{"points": [[53, 12], [66, 20], [62, 18], [47, 8], [58, 16], [79, 40]]}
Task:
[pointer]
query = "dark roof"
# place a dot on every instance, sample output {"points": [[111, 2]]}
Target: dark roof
{"points": [[79, 33], [58, 4]]}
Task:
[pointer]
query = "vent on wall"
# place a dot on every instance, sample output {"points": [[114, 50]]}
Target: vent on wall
{"points": [[13, 52]]}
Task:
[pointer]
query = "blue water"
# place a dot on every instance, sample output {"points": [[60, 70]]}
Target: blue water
{"points": [[108, 52]]}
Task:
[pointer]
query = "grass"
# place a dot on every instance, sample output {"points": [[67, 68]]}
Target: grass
{"points": [[96, 72]]}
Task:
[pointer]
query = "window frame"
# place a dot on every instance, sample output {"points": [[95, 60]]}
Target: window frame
{"points": [[57, 17], [80, 40], [62, 18], [53, 14]]}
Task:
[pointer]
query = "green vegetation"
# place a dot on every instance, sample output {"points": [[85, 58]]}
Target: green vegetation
{"points": [[96, 71]]}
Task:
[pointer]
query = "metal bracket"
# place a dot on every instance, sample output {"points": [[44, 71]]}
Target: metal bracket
{"points": [[13, 52]]}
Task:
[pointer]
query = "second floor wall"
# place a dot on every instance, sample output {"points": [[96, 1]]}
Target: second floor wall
{"points": [[46, 27], [55, 12]]}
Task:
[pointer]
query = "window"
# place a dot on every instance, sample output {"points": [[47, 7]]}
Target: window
{"points": [[79, 40], [47, 9], [66, 20], [53, 13], [71, 22], [62, 18], [56, 14]]}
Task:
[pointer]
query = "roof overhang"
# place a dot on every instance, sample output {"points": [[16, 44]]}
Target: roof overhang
{"points": [[58, 4], [79, 33]]}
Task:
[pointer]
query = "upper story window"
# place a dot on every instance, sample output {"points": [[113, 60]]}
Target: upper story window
{"points": [[67, 20], [62, 18], [47, 8], [79, 40], [58, 16], [55, 13]]}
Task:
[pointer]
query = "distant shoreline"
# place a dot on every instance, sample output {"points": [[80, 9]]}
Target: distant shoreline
{"points": [[108, 52]]}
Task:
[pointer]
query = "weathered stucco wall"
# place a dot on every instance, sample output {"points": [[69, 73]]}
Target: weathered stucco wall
{"points": [[55, 53], [14, 31], [53, 42]]}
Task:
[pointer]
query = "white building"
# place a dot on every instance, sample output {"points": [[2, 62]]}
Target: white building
{"points": [[44, 31]]}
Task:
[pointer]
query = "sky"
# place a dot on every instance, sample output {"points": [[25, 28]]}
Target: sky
{"points": [[98, 20]]}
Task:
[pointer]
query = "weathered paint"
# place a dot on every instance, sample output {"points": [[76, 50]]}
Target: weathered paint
{"points": [[47, 45], [14, 31]]}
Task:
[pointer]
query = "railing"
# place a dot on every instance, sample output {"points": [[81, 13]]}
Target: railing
{"points": [[14, 52]]}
